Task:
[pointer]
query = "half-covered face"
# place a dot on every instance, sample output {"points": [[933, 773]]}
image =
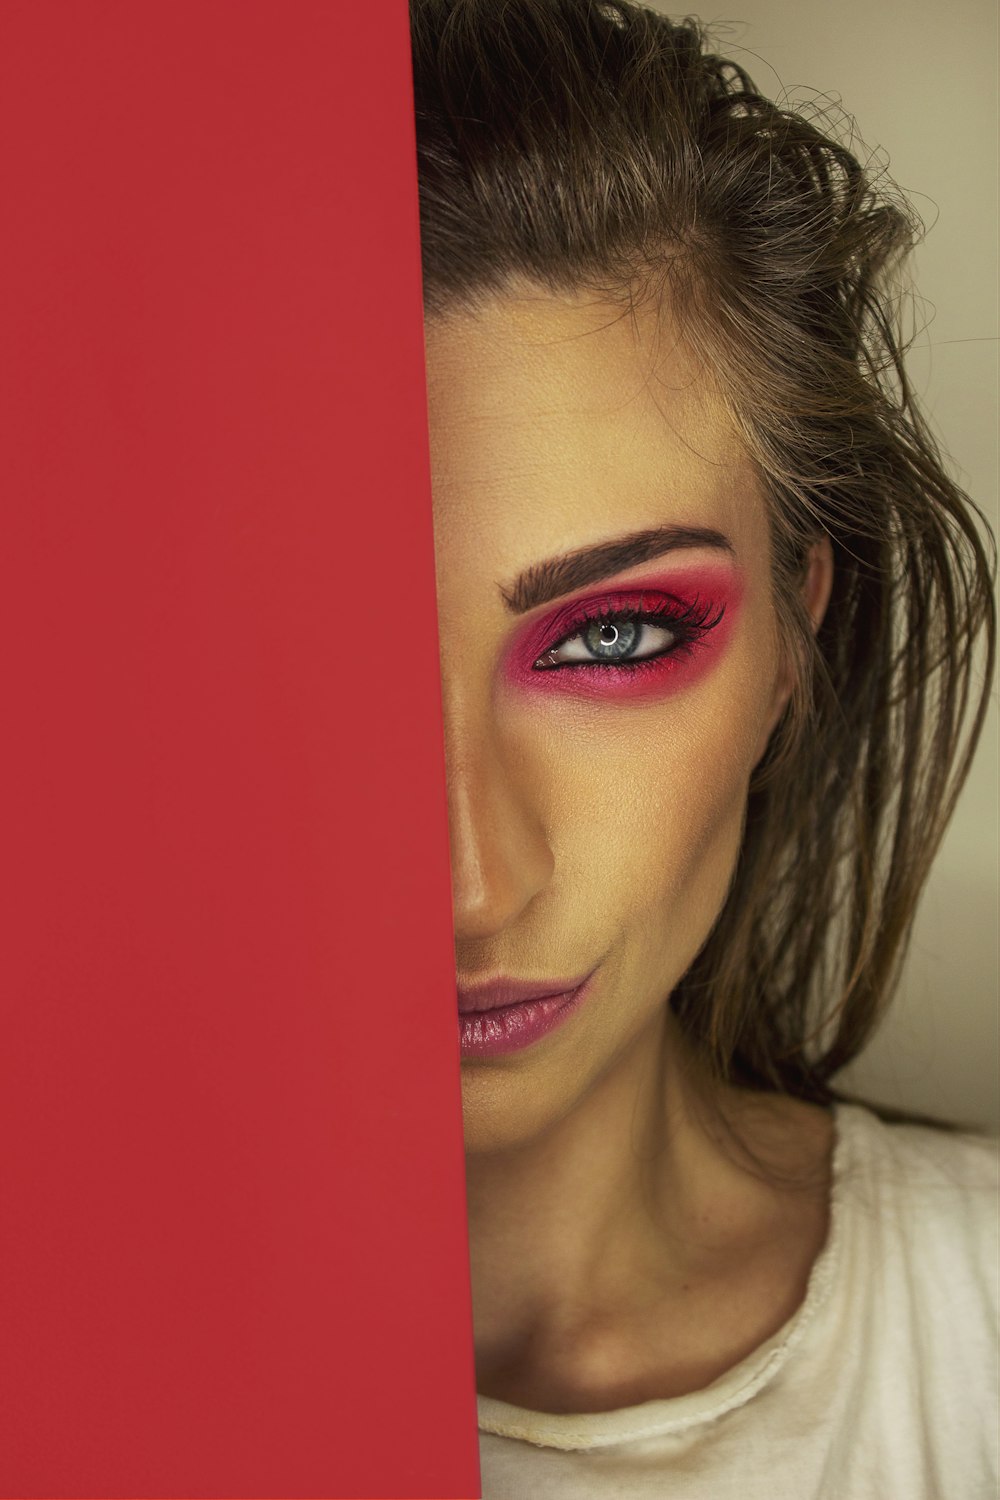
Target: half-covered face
{"points": [[611, 674]]}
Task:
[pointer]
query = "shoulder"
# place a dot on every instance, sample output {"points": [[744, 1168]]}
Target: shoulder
{"points": [[932, 1164], [929, 1199]]}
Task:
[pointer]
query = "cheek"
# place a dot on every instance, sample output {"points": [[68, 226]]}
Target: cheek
{"points": [[686, 835], [705, 843], [644, 805], [646, 825]]}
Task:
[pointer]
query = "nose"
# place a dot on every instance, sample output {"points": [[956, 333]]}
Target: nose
{"points": [[500, 857]]}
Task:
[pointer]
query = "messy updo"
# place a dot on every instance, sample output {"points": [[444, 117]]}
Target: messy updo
{"points": [[595, 145]]}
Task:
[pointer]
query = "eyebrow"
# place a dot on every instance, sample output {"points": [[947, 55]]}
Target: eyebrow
{"points": [[548, 580]]}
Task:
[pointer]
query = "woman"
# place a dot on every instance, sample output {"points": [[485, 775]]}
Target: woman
{"points": [[708, 606]]}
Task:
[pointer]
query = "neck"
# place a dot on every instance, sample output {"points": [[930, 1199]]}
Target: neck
{"points": [[616, 1210]]}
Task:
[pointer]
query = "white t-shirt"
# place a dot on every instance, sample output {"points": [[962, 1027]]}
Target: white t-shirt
{"points": [[882, 1386]]}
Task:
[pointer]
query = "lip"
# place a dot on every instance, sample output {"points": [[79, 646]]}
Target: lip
{"points": [[506, 1015]]}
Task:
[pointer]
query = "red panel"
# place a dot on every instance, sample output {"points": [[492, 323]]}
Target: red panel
{"points": [[233, 1256]]}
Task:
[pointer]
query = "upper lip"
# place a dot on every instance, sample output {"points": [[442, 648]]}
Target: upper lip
{"points": [[497, 992]]}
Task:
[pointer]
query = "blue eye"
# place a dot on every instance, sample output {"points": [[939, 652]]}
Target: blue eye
{"points": [[612, 639], [618, 632]]}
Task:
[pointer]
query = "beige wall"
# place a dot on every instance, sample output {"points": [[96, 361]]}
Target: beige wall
{"points": [[919, 78]]}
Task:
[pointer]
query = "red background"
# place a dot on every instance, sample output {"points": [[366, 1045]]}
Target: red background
{"points": [[233, 1256]]}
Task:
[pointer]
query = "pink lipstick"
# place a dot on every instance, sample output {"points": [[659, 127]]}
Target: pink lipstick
{"points": [[508, 1014]]}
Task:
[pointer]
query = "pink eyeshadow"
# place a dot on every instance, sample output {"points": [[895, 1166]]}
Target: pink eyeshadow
{"points": [[711, 588]]}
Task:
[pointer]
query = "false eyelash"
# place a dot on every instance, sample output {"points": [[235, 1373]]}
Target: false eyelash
{"points": [[690, 615], [688, 622]]}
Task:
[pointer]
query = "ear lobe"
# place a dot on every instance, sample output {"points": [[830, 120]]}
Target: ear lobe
{"points": [[816, 588]]}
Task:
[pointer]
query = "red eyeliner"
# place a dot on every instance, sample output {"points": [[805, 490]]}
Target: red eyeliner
{"points": [[713, 593]]}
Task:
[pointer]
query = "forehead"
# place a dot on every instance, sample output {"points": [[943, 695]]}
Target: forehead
{"points": [[556, 421]]}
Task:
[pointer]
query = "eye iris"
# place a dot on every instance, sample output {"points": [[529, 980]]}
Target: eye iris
{"points": [[612, 641]]}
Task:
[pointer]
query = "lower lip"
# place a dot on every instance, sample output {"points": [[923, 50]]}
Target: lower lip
{"points": [[508, 1028]]}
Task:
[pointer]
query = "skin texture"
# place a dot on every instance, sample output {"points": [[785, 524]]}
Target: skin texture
{"points": [[618, 1250]]}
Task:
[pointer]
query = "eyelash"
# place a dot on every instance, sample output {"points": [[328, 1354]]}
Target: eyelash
{"points": [[688, 623]]}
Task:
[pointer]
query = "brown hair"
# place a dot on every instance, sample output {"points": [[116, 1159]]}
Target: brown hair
{"points": [[595, 144]]}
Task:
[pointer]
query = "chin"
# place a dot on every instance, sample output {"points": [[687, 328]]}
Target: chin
{"points": [[502, 1113]]}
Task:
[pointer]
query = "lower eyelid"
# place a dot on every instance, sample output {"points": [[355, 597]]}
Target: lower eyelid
{"points": [[627, 663]]}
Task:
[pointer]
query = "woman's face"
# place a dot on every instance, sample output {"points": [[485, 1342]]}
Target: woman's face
{"points": [[610, 673]]}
